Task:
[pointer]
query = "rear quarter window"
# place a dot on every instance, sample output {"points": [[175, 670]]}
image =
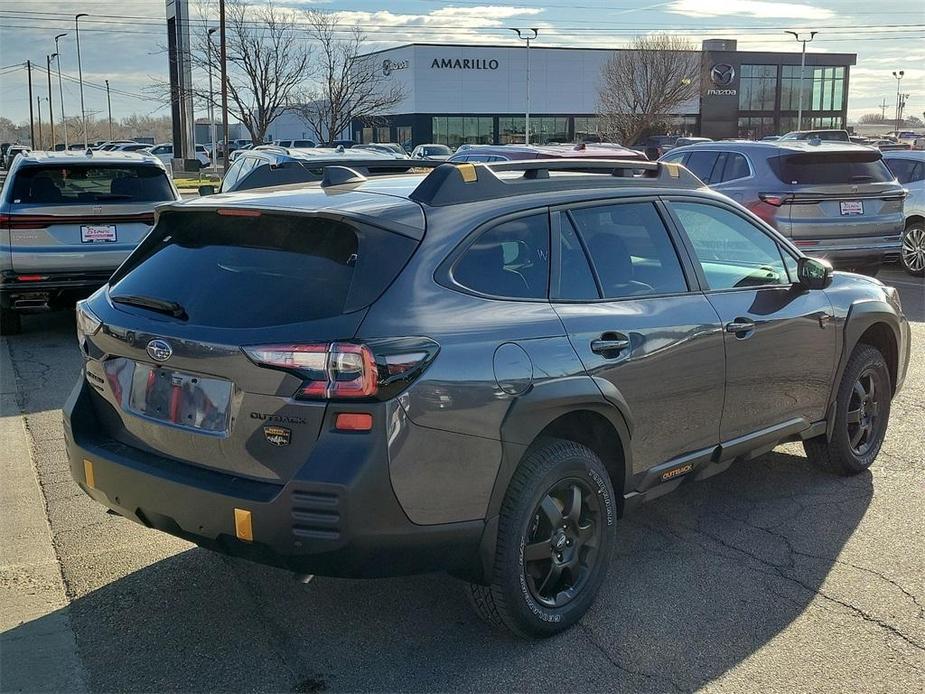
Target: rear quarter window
{"points": [[77, 184]]}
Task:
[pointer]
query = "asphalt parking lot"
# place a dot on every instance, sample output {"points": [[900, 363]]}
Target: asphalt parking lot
{"points": [[770, 577]]}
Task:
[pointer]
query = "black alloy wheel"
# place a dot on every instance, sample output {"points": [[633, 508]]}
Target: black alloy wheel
{"points": [[562, 541], [863, 416]]}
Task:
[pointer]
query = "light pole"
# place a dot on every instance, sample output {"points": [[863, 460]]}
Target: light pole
{"points": [[525, 36], [61, 89], [898, 74], [211, 101], [109, 106], [80, 75], [804, 41], [51, 109], [38, 102], [223, 51]]}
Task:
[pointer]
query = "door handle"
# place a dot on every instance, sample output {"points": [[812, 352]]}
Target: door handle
{"points": [[609, 344], [741, 325]]}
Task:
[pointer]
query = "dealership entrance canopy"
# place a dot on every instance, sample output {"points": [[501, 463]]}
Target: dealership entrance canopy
{"points": [[456, 94]]}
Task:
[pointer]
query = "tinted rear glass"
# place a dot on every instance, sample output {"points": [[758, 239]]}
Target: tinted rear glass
{"points": [[243, 272], [831, 167], [76, 184]]}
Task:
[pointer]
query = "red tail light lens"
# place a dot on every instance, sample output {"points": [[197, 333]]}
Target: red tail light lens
{"points": [[776, 199], [346, 370]]}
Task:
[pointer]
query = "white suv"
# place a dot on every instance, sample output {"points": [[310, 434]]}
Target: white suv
{"points": [[909, 168]]}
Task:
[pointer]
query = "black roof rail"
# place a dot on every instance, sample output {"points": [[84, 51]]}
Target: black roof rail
{"points": [[451, 184], [356, 170]]}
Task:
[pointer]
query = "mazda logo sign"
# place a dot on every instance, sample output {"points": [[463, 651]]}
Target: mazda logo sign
{"points": [[159, 350], [722, 74]]}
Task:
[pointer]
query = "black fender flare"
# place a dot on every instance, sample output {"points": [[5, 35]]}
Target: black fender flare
{"points": [[532, 412], [861, 316]]}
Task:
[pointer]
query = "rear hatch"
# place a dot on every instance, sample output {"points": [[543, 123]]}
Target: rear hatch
{"points": [[81, 217], [206, 297], [838, 197]]}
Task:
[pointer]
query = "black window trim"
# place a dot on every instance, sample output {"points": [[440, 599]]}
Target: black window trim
{"points": [[688, 270], [783, 244], [444, 272]]}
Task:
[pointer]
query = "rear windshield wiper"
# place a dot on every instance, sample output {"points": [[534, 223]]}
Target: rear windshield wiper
{"points": [[171, 308]]}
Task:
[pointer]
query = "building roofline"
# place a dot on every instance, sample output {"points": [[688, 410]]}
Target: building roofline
{"points": [[843, 56]]}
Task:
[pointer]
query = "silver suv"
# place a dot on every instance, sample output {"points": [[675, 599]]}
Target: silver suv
{"points": [[68, 220], [837, 201]]}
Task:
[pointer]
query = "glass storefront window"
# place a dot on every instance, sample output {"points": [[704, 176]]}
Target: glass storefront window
{"points": [[756, 127], [823, 88], [456, 130], [757, 87], [587, 128], [405, 137]]}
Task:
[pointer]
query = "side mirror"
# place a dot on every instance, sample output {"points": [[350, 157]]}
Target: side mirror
{"points": [[207, 189], [813, 273]]}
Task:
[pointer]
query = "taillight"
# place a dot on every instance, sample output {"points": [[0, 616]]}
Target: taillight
{"points": [[776, 199], [376, 370]]}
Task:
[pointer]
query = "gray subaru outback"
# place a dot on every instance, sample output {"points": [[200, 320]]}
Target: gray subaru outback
{"points": [[479, 370]]}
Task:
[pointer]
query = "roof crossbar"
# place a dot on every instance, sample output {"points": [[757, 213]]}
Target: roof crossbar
{"points": [[451, 184]]}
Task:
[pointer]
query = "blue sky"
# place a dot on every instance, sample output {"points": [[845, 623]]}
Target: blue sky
{"points": [[121, 39]]}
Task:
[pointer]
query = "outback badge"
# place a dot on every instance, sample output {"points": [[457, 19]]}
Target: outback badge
{"points": [[278, 436]]}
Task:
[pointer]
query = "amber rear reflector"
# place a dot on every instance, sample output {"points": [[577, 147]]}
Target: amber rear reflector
{"points": [[243, 529], [88, 474], [353, 421], [231, 212]]}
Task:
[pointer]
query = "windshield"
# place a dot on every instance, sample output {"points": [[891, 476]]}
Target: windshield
{"points": [[440, 149], [75, 184]]}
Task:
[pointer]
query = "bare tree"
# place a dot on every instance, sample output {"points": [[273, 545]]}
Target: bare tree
{"points": [[267, 62], [346, 84], [874, 118], [644, 84]]}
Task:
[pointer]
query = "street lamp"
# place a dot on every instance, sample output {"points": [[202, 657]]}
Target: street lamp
{"points": [[51, 109], [61, 89], [898, 75], [211, 100], [80, 75], [804, 41], [525, 35]]}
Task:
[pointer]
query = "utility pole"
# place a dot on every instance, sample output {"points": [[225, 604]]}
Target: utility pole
{"points": [[61, 90], [795, 35], [80, 75], [523, 35], [223, 58], [31, 116], [51, 109], [211, 99], [898, 75], [883, 109], [38, 101], [109, 106]]}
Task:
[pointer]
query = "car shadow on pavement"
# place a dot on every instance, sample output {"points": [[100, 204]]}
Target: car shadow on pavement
{"points": [[701, 579]]}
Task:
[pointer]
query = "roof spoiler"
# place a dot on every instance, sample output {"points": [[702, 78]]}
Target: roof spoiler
{"points": [[451, 184]]}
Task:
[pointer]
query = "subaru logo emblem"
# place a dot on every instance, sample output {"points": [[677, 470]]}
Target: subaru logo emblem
{"points": [[722, 74], [159, 350]]}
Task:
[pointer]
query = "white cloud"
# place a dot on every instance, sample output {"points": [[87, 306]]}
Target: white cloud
{"points": [[748, 8]]}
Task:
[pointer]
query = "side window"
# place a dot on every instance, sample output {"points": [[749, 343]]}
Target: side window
{"points": [[232, 175], [250, 163], [731, 250], [573, 278], [905, 170], [630, 250], [674, 157], [701, 164], [510, 260], [736, 167]]}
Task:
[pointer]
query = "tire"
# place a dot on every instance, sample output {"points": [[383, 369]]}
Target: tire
{"points": [[912, 254], [544, 595], [10, 322], [863, 401]]}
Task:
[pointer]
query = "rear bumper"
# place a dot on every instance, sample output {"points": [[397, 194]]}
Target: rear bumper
{"points": [[859, 252], [337, 517], [50, 287]]}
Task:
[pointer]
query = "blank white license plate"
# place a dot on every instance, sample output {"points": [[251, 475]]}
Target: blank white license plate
{"points": [[852, 207], [105, 233]]}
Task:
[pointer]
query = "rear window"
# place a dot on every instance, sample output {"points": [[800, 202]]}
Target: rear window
{"points": [[76, 184], [242, 272], [831, 167]]}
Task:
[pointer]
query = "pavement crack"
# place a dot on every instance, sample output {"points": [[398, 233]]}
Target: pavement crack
{"points": [[589, 632]]}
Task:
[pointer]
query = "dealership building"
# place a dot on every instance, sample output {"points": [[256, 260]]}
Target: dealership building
{"points": [[455, 94]]}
